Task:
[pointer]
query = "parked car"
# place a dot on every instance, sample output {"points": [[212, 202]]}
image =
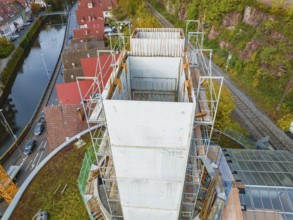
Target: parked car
{"points": [[42, 118], [39, 128], [14, 37], [29, 147], [31, 20]]}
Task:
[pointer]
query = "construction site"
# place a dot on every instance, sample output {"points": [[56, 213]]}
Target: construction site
{"points": [[150, 101], [152, 159]]}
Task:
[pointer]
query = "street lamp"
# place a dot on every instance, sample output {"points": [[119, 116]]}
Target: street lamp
{"points": [[8, 128], [227, 62], [47, 71]]}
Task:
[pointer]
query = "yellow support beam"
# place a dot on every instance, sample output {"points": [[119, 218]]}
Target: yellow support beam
{"points": [[7, 187]]}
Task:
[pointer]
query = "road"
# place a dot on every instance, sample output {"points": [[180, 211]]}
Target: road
{"points": [[30, 162], [256, 121]]}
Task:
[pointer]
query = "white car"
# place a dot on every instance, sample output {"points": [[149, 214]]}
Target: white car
{"points": [[15, 36]]}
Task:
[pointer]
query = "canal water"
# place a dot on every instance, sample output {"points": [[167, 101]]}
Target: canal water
{"points": [[30, 82]]}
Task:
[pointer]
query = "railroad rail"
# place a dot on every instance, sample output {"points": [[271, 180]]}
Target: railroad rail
{"points": [[256, 121]]}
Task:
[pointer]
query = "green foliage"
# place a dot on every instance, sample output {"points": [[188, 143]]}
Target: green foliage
{"points": [[28, 38], [137, 11], [267, 54], [145, 19], [5, 47], [11, 65], [213, 11]]}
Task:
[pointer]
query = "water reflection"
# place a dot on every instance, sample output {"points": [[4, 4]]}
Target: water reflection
{"points": [[31, 82]]}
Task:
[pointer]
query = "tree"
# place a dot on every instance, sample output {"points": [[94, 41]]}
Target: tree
{"points": [[225, 108], [285, 121]]}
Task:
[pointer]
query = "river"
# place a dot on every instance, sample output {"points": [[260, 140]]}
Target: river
{"points": [[30, 82]]}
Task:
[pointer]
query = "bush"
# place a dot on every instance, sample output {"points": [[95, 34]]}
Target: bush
{"points": [[12, 65], [6, 51]]}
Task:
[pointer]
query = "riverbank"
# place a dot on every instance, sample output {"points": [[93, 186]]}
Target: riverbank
{"points": [[42, 102], [9, 73]]}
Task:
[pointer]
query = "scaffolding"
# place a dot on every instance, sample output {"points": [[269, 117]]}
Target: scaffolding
{"points": [[98, 163], [196, 83], [7, 187], [199, 182]]}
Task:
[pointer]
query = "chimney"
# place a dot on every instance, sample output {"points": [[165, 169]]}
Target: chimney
{"points": [[79, 115]]}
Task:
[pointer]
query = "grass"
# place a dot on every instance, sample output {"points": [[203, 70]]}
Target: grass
{"points": [[62, 169]]}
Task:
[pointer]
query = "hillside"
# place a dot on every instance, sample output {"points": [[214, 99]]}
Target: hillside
{"points": [[259, 38]]}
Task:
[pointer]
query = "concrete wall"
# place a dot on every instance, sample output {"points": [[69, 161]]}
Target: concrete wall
{"points": [[150, 143], [152, 73], [157, 47]]}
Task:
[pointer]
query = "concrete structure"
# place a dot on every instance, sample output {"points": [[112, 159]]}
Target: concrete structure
{"points": [[151, 160]]}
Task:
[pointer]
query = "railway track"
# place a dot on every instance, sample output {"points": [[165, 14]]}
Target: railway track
{"points": [[255, 120]]}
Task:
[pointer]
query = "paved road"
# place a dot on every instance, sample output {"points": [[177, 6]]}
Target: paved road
{"points": [[29, 163], [256, 121]]}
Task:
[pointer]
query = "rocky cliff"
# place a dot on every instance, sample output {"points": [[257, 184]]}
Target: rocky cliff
{"points": [[259, 37]]}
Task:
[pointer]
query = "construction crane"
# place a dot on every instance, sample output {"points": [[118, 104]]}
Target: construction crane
{"points": [[7, 187]]}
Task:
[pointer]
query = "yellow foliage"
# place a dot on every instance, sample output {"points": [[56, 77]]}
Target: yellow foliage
{"points": [[225, 108], [285, 121]]}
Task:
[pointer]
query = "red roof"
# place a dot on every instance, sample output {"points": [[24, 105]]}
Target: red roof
{"points": [[88, 14], [68, 92], [104, 4], [98, 24], [94, 29], [88, 32], [89, 66]]}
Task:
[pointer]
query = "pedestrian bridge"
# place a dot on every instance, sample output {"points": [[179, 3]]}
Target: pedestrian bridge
{"points": [[53, 13]]}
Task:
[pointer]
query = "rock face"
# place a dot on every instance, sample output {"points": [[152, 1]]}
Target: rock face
{"points": [[213, 34], [276, 35], [231, 20], [224, 44], [250, 48], [254, 17]]}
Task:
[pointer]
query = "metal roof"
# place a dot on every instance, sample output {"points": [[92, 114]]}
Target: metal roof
{"points": [[268, 179], [262, 167]]}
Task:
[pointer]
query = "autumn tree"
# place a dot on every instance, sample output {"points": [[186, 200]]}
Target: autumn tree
{"points": [[225, 108]]}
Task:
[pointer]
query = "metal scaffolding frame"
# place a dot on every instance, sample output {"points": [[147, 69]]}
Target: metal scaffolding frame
{"points": [[92, 102], [207, 96]]}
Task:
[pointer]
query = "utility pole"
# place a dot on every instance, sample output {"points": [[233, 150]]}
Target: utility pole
{"points": [[228, 60]]}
